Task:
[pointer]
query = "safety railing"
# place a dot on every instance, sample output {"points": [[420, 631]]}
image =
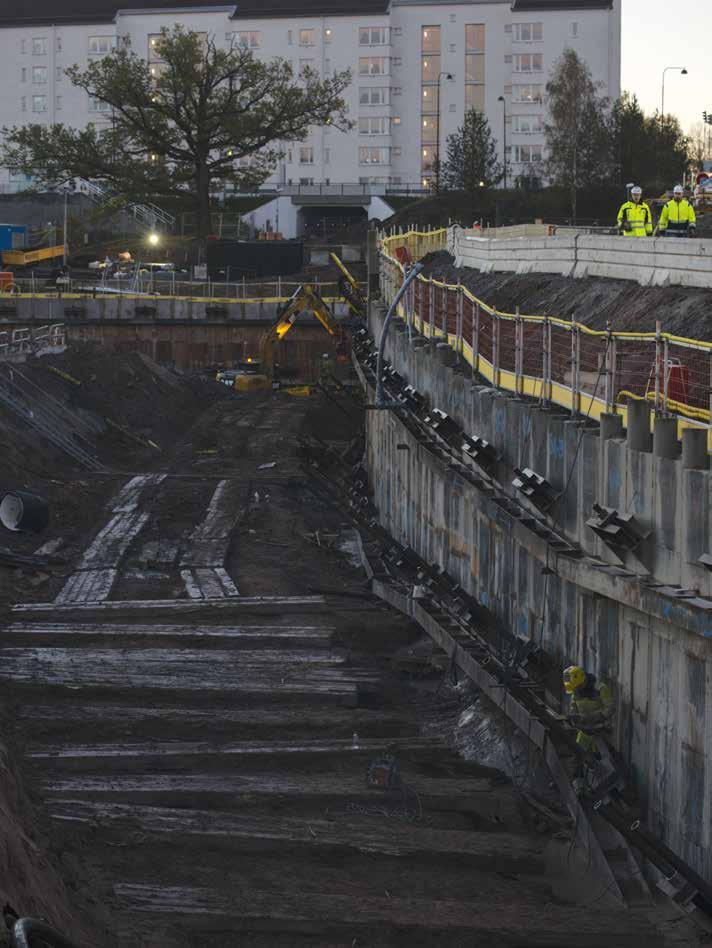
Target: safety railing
{"points": [[36, 339], [554, 360]]}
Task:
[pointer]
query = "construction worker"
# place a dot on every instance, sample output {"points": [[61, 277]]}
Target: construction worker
{"points": [[678, 217], [634, 217], [591, 705]]}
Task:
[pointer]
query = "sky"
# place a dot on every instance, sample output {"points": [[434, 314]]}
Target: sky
{"points": [[657, 33]]}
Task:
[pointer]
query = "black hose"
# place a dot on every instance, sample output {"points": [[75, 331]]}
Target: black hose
{"points": [[34, 933]]}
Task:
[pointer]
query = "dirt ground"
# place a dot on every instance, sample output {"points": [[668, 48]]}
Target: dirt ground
{"points": [[683, 311]]}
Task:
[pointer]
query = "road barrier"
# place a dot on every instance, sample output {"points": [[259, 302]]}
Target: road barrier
{"points": [[557, 361]]}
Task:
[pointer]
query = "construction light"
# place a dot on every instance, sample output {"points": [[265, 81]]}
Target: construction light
{"points": [[482, 184], [154, 239]]}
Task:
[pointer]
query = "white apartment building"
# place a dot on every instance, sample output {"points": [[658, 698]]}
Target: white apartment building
{"points": [[416, 67]]}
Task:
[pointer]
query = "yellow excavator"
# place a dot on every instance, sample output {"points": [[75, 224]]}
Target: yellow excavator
{"points": [[256, 374]]}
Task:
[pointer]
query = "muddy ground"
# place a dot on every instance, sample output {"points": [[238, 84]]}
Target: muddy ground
{"points": [[683, 311]]}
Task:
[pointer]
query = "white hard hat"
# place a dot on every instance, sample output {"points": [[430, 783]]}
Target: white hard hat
{"points": [[636, 190], [677, 189]]}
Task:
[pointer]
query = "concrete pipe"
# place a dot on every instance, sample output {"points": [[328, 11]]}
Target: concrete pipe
{"points": [[638, 425], [694, 449], [611, 425], [665, 443]]}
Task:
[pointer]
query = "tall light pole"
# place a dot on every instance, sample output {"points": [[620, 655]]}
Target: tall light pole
{"points": [[504, 135], [448, 76], [64, 252], [683, 72]]}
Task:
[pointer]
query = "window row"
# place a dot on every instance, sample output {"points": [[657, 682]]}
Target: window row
{"points": [[39, 103], [527, 124], [528, 93], [374, 66], [527, 62], [374, 125], [526, 154], [527, 32]]}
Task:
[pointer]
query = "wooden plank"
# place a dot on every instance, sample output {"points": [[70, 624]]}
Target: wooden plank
{"points": [[495, 851], [535, 920], [267, 605], [216, 749], [238, 635]]}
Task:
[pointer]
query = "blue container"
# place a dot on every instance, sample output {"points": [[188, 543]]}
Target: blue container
{"points": [[13, 236]]}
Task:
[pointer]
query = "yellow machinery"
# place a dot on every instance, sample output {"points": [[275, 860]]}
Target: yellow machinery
{"points": [[255, 374], [22, 258]]}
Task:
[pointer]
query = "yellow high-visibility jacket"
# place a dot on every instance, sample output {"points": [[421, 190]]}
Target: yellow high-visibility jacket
{"points": [[635, 220], [677, 218], [594, 703]]}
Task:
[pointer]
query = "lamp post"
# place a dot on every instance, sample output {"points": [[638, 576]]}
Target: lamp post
{"points": [[504, 136], [683, 72], [448, 76]]}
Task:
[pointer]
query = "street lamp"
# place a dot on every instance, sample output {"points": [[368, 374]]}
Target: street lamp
{"points": [[449, 77], [504, 135], [153, 239], [683, 72]]}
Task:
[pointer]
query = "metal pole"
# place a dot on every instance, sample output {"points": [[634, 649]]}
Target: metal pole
{"points": [[658, 359], [518, 352], [666, 373], [475, 340], [495, 348], [384, 332], [64, 251], [544, 356], [431, 311], [460, 302]]}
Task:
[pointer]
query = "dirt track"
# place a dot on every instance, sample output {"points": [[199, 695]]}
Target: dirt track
{"points": [[198, 758]]}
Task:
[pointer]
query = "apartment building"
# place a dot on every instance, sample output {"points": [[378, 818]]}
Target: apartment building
{"points": [[416, 68]]}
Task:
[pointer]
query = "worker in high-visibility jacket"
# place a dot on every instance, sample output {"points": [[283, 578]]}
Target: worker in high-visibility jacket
{"points": [[678, 216], [634, 217], [591, 705]]}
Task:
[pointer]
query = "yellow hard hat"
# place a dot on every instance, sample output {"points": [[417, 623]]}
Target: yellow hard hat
{"points": [[574, 677]]}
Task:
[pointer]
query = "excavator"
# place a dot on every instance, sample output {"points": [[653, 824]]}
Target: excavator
{"points": [[257, 374]]}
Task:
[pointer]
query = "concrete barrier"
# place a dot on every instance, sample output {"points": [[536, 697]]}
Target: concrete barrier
{"points": [[657, 261]]}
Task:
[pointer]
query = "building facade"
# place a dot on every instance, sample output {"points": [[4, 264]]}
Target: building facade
{"points": [[416, 68]]}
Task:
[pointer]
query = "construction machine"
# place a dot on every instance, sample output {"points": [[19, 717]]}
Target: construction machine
{"points": [[254, 374]]}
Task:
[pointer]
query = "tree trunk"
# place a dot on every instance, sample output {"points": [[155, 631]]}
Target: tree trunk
{"points": [[203, 203]]}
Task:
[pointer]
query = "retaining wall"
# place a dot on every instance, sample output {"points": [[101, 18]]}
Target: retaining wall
{"points": [[653, 261], [619, 617]]}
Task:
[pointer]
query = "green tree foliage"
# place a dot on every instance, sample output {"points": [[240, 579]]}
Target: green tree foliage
{"points": [[649, 150], [471, 160], [578, 135], [207, 119]]}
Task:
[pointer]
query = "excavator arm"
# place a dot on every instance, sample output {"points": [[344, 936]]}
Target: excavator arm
{"points": [[304, 298], [349, 288]]}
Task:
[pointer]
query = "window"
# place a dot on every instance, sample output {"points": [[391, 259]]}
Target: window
{"points": [[373, 66], [23, 104], [157, 70], [373, 155], [59, 74], [428, 131], [378, 95], [306, 180], [252, 39], [396, 120], [373, 36], [23, 46], [430, 68], [289, 37], [39, 46], [306, 37], [23, 75], [474, 67], [429, 104], [527, 62], [453, 107], [474, 97], [327, 157], [452, 47], [527, 32], [96, 105], [39, 75], [305, 64], [574, 29], [475, 37], [153, 44], [373, 126], [58, 44], [327, 35], [526, 154], [306, 155], [397, 151], [39, 103], [528, 93], [431, 39], [428, 157], [527, 124], [59, 102]]}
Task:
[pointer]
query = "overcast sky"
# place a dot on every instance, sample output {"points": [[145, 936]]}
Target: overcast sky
{"points": [[657, 33]]}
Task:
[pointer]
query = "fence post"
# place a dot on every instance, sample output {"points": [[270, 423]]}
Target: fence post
{"points": [[658, 362], [431, 314], [666, 373], [545, 343], [458, 324], [495, 348], [421, 308], [517, 352], [575, 369], [475, 340], [445, 314]]}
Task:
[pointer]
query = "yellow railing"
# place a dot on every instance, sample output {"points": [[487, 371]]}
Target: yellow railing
{"points": [[559, 361]]}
